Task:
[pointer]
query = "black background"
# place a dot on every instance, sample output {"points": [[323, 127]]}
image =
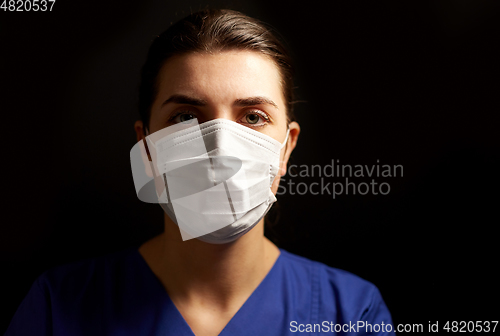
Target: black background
{"points": [[414, 83]]}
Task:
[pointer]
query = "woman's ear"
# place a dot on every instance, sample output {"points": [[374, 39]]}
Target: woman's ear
{"points": [[146, 156], [139, 130], [291, 143]]}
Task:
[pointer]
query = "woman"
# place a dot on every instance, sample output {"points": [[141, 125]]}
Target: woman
{"points": [[218, 82]]}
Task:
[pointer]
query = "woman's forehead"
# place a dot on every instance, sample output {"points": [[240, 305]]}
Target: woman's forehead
{"points": [[226, 75]]}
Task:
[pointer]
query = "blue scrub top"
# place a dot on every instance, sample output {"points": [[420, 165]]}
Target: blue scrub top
{"points": [[118, 294]]}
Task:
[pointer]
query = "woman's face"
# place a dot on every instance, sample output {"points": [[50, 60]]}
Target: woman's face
{"points": [[241, 86]]}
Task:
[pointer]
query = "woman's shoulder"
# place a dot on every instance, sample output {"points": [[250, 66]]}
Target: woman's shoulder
{"points": [[310, 269], [76, 292], [335, 289]]}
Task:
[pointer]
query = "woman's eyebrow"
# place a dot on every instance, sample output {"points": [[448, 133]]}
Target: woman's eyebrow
{"points": [[254, 101], [182, 99]]}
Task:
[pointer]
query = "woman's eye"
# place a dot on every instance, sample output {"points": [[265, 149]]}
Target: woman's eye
{"points": [[252, 118], [182, 117], [255, 118]]}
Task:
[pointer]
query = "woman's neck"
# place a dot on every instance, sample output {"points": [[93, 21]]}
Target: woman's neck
{"points": [[198, 273]]}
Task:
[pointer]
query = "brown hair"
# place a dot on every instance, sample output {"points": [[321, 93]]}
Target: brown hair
{"points": [[213, 30]]}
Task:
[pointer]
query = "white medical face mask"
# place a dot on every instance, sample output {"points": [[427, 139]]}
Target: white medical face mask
{"points": [[213, 180]]}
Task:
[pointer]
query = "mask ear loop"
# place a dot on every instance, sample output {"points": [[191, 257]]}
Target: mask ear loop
{"points": [[284, 142], [146, 141], [286, 138], [152, 164], [146, 145]]}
